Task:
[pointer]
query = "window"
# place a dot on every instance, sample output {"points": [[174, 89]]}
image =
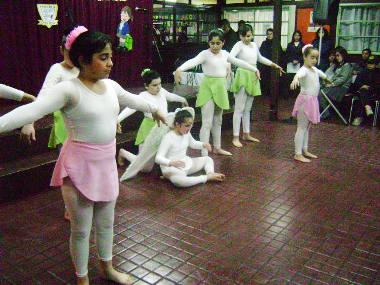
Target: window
{"points": [[358, 27], [261, 18]]}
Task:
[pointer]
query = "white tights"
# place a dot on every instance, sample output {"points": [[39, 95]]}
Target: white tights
{"points": [[180, 177], [131, 157], [212, 117], [301, 138], [82, 211], [243, 106]]}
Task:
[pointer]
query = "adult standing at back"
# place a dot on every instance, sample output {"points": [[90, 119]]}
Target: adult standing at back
{"points": [[230, 36], [325, 49], [293, 57]]}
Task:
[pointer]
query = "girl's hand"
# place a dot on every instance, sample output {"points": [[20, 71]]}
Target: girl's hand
{"points": [[118, 128], [295, 83], [28, 134], [159, 117], [27, 98], [258, 75], [177, 76], [365, 87], [280, 69], [207, 146], [177, 163], [327, 80]]}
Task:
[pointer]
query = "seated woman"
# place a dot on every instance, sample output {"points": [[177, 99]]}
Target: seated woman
{"points": [[172, 154], [331, 69], [341, 81], [367, 88]]}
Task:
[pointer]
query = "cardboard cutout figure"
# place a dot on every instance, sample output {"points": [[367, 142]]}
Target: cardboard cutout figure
{"points": [[123, 31]]}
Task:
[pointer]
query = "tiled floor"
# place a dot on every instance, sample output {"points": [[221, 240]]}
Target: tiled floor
{"points": [[273, 221]]}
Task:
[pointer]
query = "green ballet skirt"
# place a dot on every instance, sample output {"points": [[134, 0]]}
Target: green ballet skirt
{"points": [[247, 79], [146, 126], [213, 88], [58, 134]]}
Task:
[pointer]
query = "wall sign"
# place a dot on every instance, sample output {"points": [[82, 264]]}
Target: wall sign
{"points": [[48, 14]]}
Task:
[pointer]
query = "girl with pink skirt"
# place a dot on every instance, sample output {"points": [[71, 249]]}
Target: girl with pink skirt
{"points": [[306, 107], [86, 168]]}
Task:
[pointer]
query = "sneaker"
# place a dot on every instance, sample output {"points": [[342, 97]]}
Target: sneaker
{"points": [[368, 110], [357, 121]]}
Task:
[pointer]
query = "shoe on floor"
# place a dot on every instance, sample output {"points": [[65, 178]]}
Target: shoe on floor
{"points": [[368, 110], [357, 121]]}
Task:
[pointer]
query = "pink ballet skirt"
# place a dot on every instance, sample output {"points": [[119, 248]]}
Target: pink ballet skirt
{"points": [[310, 106], [91, 167]]}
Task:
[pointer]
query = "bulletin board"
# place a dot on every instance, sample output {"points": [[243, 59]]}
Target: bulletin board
{"points": [[305, 24]]}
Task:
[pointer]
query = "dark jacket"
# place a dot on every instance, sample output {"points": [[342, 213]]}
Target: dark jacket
{"points": [[341, 79], [266, 49], [294, 52], [326, 47], [370, 78], [230, 39]]}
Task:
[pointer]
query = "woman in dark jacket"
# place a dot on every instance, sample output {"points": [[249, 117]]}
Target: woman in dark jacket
{"points": [[294, 52], [326, 47], [294, 61]]}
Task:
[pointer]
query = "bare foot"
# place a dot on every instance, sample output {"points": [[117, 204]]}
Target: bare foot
{"points": [[248, 137], [118, 277], [66, 216], [301, 158], [308, 154], [120, 159], [222, 152], [218, 177], [236, 142], [83, 281]]}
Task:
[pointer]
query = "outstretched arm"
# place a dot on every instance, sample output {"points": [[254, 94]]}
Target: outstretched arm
{"points": [[125, 114], [34, 111], [133, 101], [171, 97], [191, 63], [8, 92]]}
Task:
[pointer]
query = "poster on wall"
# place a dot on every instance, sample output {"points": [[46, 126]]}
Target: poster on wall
{"points": [[123, 30], [48, 14], [306, 26], [312, 27]]}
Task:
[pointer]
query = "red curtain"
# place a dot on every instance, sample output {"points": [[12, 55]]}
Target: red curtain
{"points": [[27, 50]]}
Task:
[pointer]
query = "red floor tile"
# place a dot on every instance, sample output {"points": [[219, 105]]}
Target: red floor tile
{"points": [[273, 221]]}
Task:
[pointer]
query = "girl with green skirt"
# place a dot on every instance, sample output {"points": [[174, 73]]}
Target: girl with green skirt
{"points": [[212, 97], [159, 96], [246, 84]]}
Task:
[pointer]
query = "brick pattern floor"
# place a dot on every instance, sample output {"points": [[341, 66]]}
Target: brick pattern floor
{"points": [[273, 221]]}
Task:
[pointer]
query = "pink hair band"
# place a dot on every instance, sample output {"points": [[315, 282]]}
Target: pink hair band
{"points": [[73, 35], [305, 47]]}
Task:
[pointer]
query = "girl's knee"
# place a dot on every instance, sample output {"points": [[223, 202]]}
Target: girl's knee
{"points": [[80, 234], [177, 181]]}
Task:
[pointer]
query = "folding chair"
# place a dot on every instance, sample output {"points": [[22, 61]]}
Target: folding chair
{"points": [[331, 104]]}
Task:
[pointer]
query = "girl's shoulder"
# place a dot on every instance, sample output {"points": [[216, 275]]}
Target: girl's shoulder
{"points": [[170, 135], [144, 93], [224, 53], [253, 44], [204, 52], [56, 68], [315, 69]]}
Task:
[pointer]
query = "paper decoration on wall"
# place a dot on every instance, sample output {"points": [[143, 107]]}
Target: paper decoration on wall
{"points": [[312, 28], [123, 31], [48, 14]]}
